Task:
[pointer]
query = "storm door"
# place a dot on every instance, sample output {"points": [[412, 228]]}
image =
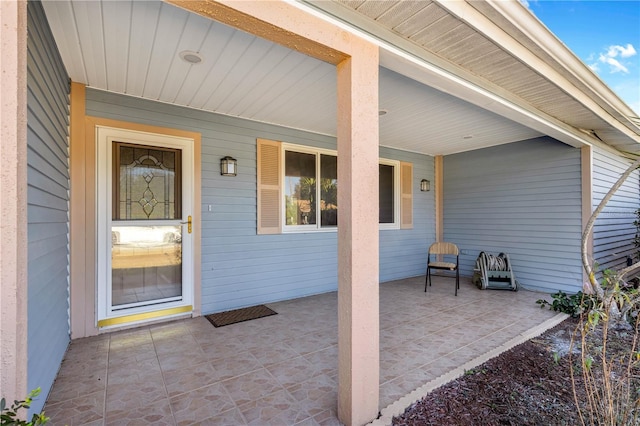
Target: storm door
{"points": [[146, 261]]}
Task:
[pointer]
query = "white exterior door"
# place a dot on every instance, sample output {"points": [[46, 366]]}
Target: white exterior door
{"points": [[145, 235]]}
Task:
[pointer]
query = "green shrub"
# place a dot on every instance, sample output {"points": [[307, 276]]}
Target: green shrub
{"points": [[10, 416], [574, 304]]}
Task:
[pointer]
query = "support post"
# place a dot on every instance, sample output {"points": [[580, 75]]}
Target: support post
{"points": [[358, 262], [13, 202]]}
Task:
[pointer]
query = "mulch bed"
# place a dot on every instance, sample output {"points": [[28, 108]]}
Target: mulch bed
{"points": [[527, 385]]}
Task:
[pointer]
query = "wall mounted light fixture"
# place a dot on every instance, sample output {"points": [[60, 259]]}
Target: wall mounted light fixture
{"points": [[425, 185], [228, 166]]}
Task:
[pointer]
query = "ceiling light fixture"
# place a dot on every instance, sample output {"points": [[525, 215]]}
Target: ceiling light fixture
{"points": [[191, 57]]}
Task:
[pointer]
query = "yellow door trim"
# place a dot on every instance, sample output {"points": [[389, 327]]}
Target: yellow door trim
{"points": [[143, 316]]}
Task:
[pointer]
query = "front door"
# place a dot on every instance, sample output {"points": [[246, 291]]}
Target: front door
{"points": [[145, 243]]}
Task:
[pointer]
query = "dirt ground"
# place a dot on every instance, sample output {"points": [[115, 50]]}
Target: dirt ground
{"points": [[527, 385]]}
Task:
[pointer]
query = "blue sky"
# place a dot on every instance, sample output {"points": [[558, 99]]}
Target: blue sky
{"points": [[605, 34]]}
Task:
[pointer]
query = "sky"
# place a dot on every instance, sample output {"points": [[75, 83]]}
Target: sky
{"points": [[604, 34]]}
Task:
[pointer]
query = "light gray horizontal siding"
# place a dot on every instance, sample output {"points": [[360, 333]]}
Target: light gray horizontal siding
{"points": [[239, 267], [48, 205], [523, 199], [614, 231]]}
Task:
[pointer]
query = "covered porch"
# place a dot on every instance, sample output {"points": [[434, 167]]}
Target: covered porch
{"points": [[360, 84], [283, 369]]}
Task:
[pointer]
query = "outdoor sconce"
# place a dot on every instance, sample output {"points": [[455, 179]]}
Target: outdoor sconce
{"points": [[425, 185], [228, 166]]}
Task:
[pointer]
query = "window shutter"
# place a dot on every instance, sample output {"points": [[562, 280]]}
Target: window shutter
{"points": [[406, 194], [269, 187]]}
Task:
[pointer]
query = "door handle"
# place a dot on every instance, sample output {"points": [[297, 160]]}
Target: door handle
{"points": [[188, 222]]}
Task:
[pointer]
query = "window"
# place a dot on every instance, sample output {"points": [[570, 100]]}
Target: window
{"points": [[387, 185], [146, 182], [329, 190], [307, 203], [298, 190]]}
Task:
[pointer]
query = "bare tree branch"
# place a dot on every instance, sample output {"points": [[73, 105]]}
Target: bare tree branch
{"points": [[586, 263], [628, 269]]}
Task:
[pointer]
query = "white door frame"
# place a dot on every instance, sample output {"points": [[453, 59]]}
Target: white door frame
{"points": [[105, 136]]}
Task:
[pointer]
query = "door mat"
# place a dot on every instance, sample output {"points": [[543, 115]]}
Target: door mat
{"points": [[239, 315]]}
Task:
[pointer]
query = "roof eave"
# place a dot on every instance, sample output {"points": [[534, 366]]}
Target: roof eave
{"points": [[577, 79], [407, 58]]}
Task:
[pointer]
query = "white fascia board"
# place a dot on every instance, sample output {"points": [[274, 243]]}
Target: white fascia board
{"points": [[405, 58]]}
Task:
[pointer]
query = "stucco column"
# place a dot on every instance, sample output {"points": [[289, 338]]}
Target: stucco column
{"points": [[13, 202], [358, 285], [357, 70]]}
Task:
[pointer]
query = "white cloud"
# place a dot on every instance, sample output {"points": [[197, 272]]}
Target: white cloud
{"points": [[613, 52], [525, 3], [626, 52], [614, 65]]}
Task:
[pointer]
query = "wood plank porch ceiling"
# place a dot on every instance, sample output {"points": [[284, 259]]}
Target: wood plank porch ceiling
{"points": [[133, 48]]}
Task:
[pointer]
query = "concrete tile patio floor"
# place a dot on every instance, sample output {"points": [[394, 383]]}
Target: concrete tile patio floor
{"points": [[279, 370]]}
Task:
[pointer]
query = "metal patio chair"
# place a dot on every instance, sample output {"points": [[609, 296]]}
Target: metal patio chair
{"points": [[443, 253]]}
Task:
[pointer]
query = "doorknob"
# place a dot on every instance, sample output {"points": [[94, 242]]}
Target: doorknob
{"points": [[188, 222]]}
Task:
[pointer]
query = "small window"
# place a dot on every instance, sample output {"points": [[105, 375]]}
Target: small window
{"points": [[387, 193]]}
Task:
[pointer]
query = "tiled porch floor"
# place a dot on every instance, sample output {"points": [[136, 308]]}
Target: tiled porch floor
{"points": [[279, 370]]}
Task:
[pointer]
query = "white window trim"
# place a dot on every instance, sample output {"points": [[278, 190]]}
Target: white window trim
{"points": [[292, 229]]}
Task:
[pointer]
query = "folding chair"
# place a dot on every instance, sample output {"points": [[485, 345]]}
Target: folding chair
{"points": [[444, 252]]}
